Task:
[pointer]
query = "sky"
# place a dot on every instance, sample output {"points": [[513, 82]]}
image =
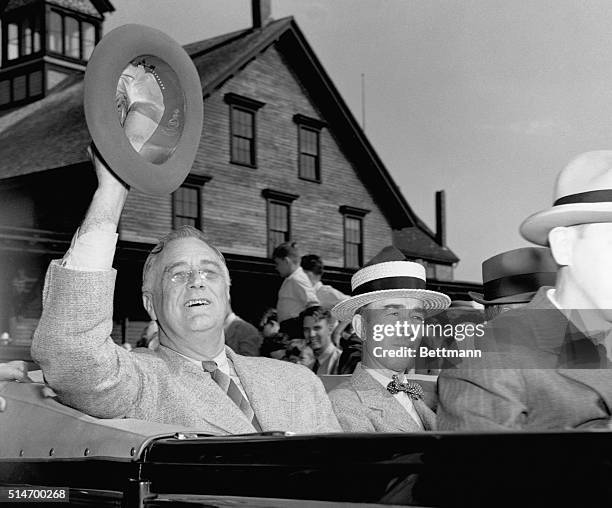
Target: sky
{"points": [[486, 99]]}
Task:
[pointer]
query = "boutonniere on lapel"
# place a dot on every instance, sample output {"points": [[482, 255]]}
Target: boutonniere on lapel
{"points": [[413, 389]]}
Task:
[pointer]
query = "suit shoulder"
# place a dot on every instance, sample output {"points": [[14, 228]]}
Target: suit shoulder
{"points": [[279, 368], [343, 392]]}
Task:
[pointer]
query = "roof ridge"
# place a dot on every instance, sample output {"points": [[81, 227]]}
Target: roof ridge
{"points": [[222, 40], [228, 38]]}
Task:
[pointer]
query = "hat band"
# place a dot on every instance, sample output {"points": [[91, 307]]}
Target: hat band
{"points": [[389, 283], [517, 284], [597, 196]]}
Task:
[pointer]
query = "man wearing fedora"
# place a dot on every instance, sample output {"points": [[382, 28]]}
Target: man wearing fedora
{"points": [[192, 379], [511, 279], [549, 362], [378, 397]]}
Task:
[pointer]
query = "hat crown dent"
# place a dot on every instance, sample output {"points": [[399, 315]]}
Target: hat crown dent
{"points": [[387, 269], [588, 171], [518, 262]]}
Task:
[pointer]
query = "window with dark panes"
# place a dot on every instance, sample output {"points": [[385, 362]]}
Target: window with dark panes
{"points": [[243, 136], [309, 154], [243, 128], [54, 33], [279, 216], [186, 206], [278, 224], [353, 242]]}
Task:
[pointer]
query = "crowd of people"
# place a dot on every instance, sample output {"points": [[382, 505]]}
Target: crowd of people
{"points": [[539, 358], [546, 346]]}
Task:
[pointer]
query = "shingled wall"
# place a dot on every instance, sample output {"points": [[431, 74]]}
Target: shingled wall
{"points": [[234, 211]]}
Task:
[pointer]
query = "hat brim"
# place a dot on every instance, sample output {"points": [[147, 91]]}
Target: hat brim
{"points": [[433, 302], [109, 59], [536, 227], [518, 298]]}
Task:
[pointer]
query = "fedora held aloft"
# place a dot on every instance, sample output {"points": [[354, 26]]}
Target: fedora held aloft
{"points": [[141, 79]]}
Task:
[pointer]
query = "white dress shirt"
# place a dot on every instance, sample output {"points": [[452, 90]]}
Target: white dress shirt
{"points": [[328, 295], [295, 294]]}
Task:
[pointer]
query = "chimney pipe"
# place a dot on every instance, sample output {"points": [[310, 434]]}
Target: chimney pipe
{"points": [[441, 218], [262, 12]]}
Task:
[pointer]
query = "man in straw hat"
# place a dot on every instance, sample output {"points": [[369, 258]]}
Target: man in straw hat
{"points": [[511, 279], [554, 352], [192, 379], [378, 397]]}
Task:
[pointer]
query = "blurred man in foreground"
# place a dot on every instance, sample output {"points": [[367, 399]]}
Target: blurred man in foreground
{"points": [[547, 365]]}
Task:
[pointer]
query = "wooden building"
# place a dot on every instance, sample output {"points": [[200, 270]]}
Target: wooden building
{"points": [[281, 157]]}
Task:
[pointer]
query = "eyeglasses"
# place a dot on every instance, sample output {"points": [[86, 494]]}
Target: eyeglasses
{"points": [[187, 275]]}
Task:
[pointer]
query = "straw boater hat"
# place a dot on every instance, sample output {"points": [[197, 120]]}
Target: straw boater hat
{"points": [[583, 195], [515, 276], [389, 275], [163, 161]]}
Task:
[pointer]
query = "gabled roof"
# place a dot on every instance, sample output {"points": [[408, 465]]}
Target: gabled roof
{"points": [[217, 60], [415, 243]]}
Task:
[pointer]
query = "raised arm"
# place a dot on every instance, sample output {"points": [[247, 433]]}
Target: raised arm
{"points": [[72, 342]]}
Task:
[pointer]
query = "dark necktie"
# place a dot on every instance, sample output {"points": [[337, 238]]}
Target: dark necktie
{"points": [[315, 367], [415, 391], [226, 384]]}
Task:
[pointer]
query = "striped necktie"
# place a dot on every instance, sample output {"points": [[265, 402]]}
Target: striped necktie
{"points": [[226, 384]]}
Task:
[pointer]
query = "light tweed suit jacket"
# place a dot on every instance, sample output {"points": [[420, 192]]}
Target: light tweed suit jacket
{"points": [[91, 373], [362, 404], [553, 377]]}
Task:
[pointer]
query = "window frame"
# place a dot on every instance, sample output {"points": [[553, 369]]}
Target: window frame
{"points": [[313, 125], [18, 18], [246, 105], [351, 212], [80, 19], [196, 182], [279, 198]]}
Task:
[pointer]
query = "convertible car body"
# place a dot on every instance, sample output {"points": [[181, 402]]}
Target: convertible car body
{"points": [[134, 463]]}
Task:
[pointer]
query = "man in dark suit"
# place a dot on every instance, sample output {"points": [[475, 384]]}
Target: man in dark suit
{"points": [[546, 365]]}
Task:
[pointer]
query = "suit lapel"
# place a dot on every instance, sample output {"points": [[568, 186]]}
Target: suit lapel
{"points": [[373, 395], [218, 409], [273, 404], [575, 355]]}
